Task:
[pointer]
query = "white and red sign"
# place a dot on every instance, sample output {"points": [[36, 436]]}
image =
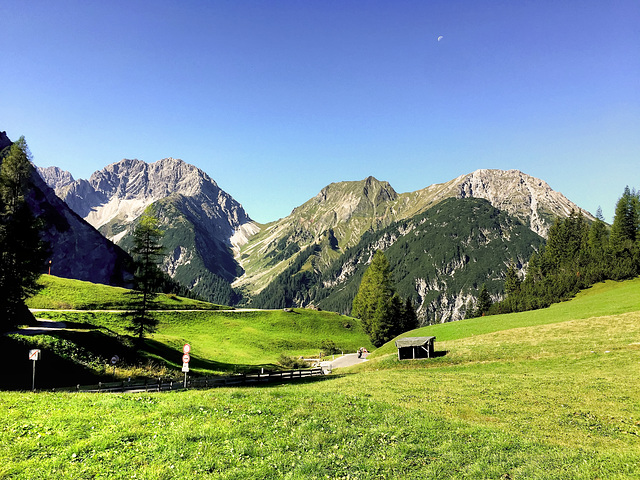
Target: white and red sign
{"points": [[186, 348], [34, 354], [186, 358]]}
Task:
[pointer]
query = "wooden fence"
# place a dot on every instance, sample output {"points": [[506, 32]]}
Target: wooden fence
{"points": [[160, 385]]}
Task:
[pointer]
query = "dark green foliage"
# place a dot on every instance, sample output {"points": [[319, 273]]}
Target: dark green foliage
{"points": [[374, 294], [512, 281], [451, 249], [206, 276], [378, 306], [578, 255], [408, 319], [284, 249], [457, 246], [329, 347], [484, 302], [22, 252], [292, 286], [147, 252]]}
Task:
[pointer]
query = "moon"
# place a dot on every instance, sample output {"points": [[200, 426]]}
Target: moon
{"points": [[440, 37]]}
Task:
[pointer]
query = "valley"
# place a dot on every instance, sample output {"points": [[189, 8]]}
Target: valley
{"points": [[550, 394]]}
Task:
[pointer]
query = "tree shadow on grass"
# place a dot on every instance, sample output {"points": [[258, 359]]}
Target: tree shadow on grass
{"points": [[171, 358]]}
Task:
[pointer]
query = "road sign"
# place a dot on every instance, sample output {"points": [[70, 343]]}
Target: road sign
{"points": [[34, 354], [186, 348], [115, 359], [186, 358], [185, 367]]}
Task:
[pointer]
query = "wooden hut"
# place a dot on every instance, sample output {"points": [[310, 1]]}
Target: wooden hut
{"points": [[415, 347]]}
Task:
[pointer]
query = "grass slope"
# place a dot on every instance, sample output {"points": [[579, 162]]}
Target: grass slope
{"points": [[606, 298], [65, 293], [222, 341], [553, 394]]}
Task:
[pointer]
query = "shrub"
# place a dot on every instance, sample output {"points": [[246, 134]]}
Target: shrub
{"points": [[290, 362], [328, 347]]}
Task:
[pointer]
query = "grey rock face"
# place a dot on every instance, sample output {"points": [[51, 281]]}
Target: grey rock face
{"points": [[55, 177], [528, 198], [123, 190]]}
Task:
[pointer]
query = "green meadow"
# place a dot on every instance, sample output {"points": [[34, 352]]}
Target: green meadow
{"points": [[549, 394], [63, 293]]}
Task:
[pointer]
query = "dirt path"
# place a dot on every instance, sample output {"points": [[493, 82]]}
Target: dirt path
{"points": [[43, 327]]}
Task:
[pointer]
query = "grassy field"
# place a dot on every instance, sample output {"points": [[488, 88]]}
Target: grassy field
{"points": [[222, 341], [552, 394], [63, 293]]}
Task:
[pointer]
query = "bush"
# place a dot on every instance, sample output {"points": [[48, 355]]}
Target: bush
{"points": [[328, 347], [290, 362]]}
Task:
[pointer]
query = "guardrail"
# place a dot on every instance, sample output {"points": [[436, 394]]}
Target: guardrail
{"points": [[160, 385]]}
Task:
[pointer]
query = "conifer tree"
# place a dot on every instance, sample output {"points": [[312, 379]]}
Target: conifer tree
{"points": [[376, 303], [512, 281], [409, 317], [22, 252], [626, 222], [147, 252], [484, 302]]}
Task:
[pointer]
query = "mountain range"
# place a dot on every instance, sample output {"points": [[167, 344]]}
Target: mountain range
{"points": [[316, 255]]}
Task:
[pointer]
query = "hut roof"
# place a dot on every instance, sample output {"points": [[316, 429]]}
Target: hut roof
{"points": [[413, 341]]}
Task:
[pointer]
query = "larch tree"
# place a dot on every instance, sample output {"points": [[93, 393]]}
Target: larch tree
{"points": [[147, 252]]}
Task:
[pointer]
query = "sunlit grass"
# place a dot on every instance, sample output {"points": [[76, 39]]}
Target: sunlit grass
{"points": [[553, 394]]}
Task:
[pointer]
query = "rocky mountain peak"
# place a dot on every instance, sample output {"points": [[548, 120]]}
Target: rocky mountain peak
{"points": [[55, 177], [528, 198]]}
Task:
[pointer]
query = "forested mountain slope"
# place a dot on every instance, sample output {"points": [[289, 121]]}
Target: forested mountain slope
{"points": [[439, 258], [77, 249], [341, 213]]}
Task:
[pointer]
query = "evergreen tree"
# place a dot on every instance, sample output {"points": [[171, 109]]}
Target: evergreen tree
{"points": [[376, 303], [22, 252], [383, 323], [147, 252], [598, 252], [626, 222], [512, 281], [484, 302], [409, 317]]}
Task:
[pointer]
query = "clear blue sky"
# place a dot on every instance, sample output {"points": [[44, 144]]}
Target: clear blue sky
{"points": [[276, 99]]}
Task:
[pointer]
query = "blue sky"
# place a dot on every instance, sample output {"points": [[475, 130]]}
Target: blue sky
{"points": [[275, 100]]}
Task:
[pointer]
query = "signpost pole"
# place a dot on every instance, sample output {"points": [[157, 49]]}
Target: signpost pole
{"points": [[185, 361], [34, 355]]}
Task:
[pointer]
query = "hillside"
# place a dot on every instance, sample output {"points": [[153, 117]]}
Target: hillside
{"points": [[439, 258], [64, 293], [214, 248], [77, 249], [552, 394], [223, 340]]}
